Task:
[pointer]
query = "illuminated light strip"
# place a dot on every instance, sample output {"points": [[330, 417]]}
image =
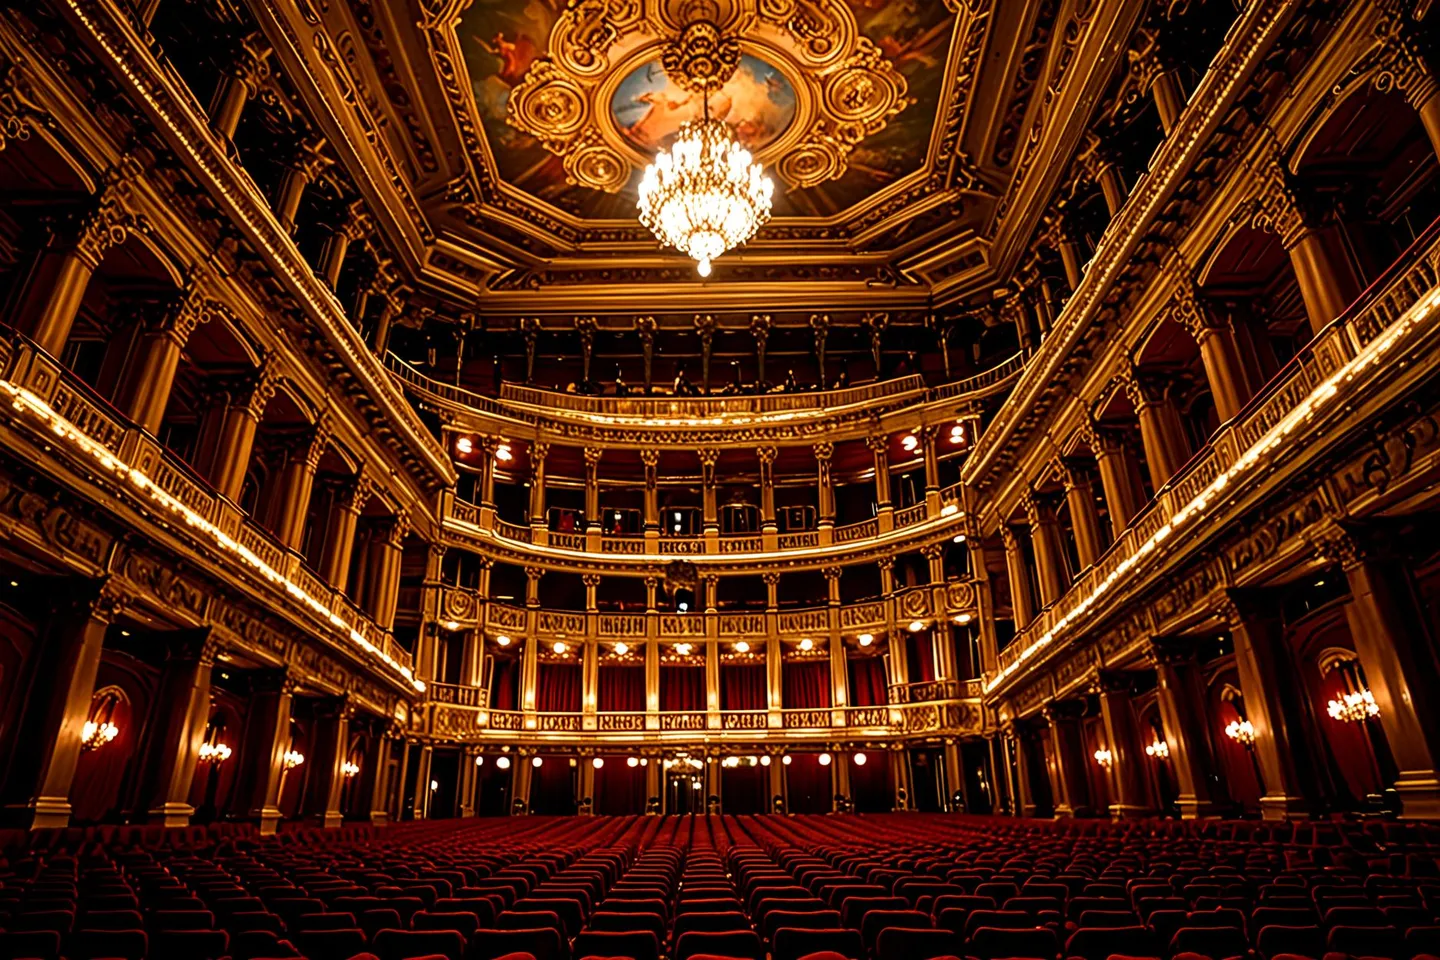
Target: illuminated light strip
{"points": [[23, 399], [1326, 391]]}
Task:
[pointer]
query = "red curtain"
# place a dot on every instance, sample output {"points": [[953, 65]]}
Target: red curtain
{"points": [[504, 680], [742, 687], [557, 687], [552, 785], [870, 782], [808, 784], [921, 652], [622, 689], [867, 682], [682, 688], [619, 788], [805, 685], [743, 788]]}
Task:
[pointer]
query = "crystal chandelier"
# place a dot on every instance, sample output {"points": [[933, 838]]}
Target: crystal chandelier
{"points": [[1354, 707], [705, 195]]}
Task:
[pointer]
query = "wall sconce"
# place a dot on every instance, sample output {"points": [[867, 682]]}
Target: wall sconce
{"points": [[537, 761], [765, 760], [1354, 707], [214, 752], [1105, 758], [632, 762], [1241, 731], [824, 759], [866, 639], [349, 769], [1159, 749], [293, 759], [95, 735], [859, 759], [503, 641], [502, 763], [480, 760], [917, 625], [598, 762]]}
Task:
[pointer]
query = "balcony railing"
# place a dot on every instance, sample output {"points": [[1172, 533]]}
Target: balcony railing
{"points": [[1347, 349], [70, 409], [953, 716]]}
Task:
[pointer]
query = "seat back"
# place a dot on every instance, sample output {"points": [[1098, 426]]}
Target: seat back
{"points": [[792, 944], [404, 944], [902, 943], [635, 944], [992, 943], [541, 944]]}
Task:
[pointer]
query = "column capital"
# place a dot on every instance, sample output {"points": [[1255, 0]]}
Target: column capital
{"points": [[108, 221], [646, 327], [1114, 681], [760, 325], [824, 451], [933, 551], [539, 450], [650, 457], [1400, 63], [1059, 711], [356, 493], [878, 444], [533, 574], [767, 455], [1277, 207], [200, 646], [1171, 650], [1074, 473], [593, 455], [832, 573], [708, 456], [705, 326], [590, 580], [771, 579]]}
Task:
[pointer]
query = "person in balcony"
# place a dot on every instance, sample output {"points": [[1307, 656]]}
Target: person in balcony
{"points": [[682, 386], [622, 389]]}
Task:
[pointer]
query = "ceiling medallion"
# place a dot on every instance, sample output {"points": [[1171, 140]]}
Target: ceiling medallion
{"points": [[795, 83], [705, 195]]}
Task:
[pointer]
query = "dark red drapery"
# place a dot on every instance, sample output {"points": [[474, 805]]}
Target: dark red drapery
{"points": [[870, 783], [682, 688], [504, 681], [805, 685], [921, 651], [867, 682], [742, 687], [619, 788], [622, 688], [557, 687], [808, 784], [743, 788], [552, 786]]}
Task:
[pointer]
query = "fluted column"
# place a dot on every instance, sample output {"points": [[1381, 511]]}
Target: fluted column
{"points": [[710, 583], [1215, 338], [774, 697], [839, 666], [539, 450], [710, 509], [1071, 788], [239, 81], [590, 649], [330, 745], [1128, 795], [339, 545], [1278, 705], [529, 661], [150, 376], [824, 489], [262, 756], [650, 460], [1022, 605], [932, 469], [1084, 517], [652, 654], [377, 758], [1181, 696], [1049, 555], [1019, 740], [884, 508], [46, 718], [184, 711], [1397, 652], [1161, 431], [388, 578]]}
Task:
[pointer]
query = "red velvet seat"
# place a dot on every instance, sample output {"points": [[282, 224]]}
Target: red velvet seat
{"points": [[791, 944], [407, 944]]}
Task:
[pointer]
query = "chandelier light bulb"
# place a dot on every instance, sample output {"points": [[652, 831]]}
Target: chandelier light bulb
{"points": [[598, 762], [807, 644], [824, 759], [559, 646], [349, 769], [765, 760], [95, 735], [536, 762], [502, 763], [1159, 749], [622, 648], [1354, 707], [293, 759], [742, 647], [1104, 757], [632, 762], [859, 759], [1241, 731], [214, 752], [866, 639], [705, 195]]}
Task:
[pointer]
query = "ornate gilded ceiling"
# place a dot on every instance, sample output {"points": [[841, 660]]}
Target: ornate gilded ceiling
{"points": [[836, 97], [915, 144]]}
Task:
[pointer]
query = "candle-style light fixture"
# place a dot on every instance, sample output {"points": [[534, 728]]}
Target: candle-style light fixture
{"points": [[349, 769], [1158, 749], [95, 734], [293, 759], [215, 752], [1241, 731], [1354, 707], [1104, 757]]}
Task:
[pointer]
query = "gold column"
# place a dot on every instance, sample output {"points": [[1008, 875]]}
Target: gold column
{"points": [[1071, 788], [423, 759], [148, 380], [1112, 186], [985, 606], [390, 549], [776, 783], [955, 780], [1084, 517], [469, 780], [1022, 605], [1128, 794], [1001, 795], [1215, 339], [303, 166], [53, 296], [330, 747], [239, 82], [652, 655], [587, 782], [353, 227], [301, 463], [377, 758], [900, 774], [840, 780], [262, 752], [932, 470], [590, 651], [1124, 497], [1397, 652], [530, 659], [174, 750], [885, 510], [839, 666], [1169, 97], [775, 695], [45, 721], [710, 508], [1161, 431], [650, 460], [237, 433], [1045, 541], [1404, 66], [1181, 696], [824, 489], [1276, 703], [710, 584], [766, 456], [539, 450], [524, 768], [594, 523], [340, 544], [1021, 740], [489, 447]]}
